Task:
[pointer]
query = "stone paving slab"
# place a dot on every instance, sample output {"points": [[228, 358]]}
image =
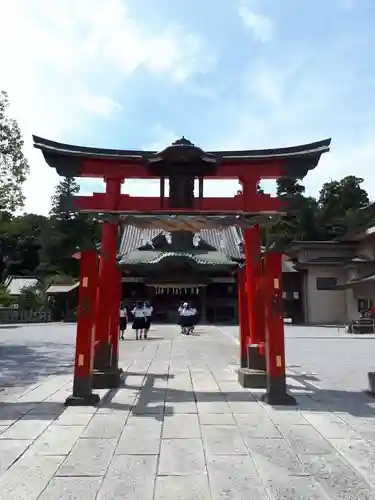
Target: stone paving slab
{"points": [[71, 488], [182, 427], [130, 477]]}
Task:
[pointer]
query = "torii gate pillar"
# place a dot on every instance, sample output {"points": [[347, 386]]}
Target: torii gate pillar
{"points": [[106, 371], [83, 367], [256, 358], [243, 316], [276, 391]]}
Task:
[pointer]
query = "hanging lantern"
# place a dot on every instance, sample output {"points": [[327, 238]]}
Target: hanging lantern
{"points": [[196, 239], [168, 237], [143, 238], [146, 238], [222, 240]]}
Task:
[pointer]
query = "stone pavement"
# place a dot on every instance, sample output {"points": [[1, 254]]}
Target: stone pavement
{"points": [[182, 428]]}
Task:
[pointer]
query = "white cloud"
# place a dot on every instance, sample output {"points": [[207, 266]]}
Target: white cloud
{"points": [[260, 25], [349, 4], [63, 63], [99, 105], [290, 104], [286, 105], [347, 157], [164, 138]]}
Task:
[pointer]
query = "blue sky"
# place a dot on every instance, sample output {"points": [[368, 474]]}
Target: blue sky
{"points": [[227, 74]]}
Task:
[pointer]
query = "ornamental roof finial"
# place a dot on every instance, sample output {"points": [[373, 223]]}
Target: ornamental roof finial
{"points": [[182, 142]]}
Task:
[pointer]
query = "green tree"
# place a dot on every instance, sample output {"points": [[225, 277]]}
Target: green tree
{"points": [[61, 206], [289, 189], [14, 167], [70, 229], [297, 223], [336, 197], [32, 298], [6, 300], [341, 205], [23, 240]]}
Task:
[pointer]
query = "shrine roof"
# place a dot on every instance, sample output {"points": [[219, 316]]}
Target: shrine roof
{"points": [[55, 152], [197, 257], [226, 241]]}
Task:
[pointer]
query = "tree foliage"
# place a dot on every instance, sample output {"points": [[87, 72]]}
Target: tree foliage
{"points": [[14, 167], [61, 208], [43, 246], [338, 210], [341, 205], [6, 300], [69, 229], [32, 298]]}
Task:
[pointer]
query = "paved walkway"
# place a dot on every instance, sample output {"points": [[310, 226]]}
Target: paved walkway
{"points": [[182, 428]]}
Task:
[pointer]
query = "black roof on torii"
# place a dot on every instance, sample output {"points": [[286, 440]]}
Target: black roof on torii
{"points": [[305, 157]]}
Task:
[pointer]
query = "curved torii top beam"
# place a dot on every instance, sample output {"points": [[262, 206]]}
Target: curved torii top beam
{"points": [[79, 161]]}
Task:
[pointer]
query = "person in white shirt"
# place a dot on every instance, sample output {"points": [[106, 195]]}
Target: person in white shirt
{"points": [[123, 321], [183, 308], [148, 310], [139, 320], [188, 317]]}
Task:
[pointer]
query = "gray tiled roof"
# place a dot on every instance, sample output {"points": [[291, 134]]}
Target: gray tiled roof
{"points": [[54, 289], [15, 284], [198, 256], [225, 240]]}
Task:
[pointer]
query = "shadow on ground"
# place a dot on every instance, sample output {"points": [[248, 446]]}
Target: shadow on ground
{"points": [[133, 339], [22, 365], [151, 400], [148, 400]]}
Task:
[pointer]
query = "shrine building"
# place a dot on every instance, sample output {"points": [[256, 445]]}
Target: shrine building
{"points": [[197, 267]]}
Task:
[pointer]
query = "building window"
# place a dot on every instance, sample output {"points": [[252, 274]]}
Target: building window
{"points": [[326, 283], [364, 304]]}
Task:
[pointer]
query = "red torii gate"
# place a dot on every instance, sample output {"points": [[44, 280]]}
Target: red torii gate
{"points": [[260, 292]]}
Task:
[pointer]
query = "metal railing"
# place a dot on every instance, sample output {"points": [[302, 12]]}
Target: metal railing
{"points": [[20, 316]]}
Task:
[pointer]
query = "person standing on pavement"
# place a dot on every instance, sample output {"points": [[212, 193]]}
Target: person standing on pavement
{"points": [[139, 320], [148, 310], [184, 317], [123, 321]]}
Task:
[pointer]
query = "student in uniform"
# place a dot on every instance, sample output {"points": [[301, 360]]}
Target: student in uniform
{"points": [[188, 318], [139, 320], [123, 321], [193, 313], [183, 311], [148, 309]]}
